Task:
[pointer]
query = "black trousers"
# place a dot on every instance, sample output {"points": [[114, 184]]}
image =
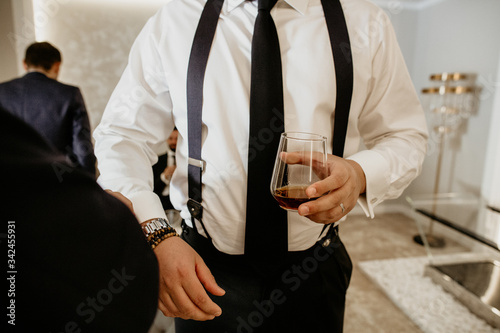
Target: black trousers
{"points": [[303, 293]]}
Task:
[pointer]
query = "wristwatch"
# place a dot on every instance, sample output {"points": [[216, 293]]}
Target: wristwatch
{"points": [[149, 227], [157, 230]]}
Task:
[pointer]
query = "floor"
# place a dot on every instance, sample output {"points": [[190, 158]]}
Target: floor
{"points": [[387, 236]]}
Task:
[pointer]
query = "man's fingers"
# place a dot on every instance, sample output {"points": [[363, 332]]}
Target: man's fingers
{"points": [[315, 160], [337, 194], [331, 192], [322, 204], [291, 157], [329, 184], [327, 209], [169, 311], [195, 304], [303, 157], [178, 303], [181, 291], [208, 280], [325, 212], [199, 297]]}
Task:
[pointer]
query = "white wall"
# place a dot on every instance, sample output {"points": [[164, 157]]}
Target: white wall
{"points": [[17, 36], [94, 37], [491, 180], [452, 36], [8, 56]]}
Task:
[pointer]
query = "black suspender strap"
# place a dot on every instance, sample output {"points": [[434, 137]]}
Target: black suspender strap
{"points": [[205, 32], [344, 73], [341, 48], [200, 50]]}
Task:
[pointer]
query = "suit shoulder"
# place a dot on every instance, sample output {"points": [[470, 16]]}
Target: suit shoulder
{"points": [[10, 83], [67, 88], [66, 85], [9, 89]]}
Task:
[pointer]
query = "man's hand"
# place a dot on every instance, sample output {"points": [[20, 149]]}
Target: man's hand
{"points": [[184, 277], [168, 172], [343, 185]]}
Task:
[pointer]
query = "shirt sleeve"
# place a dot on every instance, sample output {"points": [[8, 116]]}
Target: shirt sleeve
{"points": [[135, 124], [392, 124]]}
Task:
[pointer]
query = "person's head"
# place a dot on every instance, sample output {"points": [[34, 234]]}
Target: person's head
{"points": [[43, 57], [172, 139]]}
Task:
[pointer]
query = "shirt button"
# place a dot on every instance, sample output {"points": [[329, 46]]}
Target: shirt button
{"points": [[327, 242], [374, 200]]}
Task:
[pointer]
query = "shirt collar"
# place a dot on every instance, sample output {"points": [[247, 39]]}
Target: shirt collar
{"points": [[232, 4], [298, 5]]}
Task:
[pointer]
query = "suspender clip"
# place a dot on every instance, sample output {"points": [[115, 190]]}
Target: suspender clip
{"points": [[197, 163], [195, 209]]}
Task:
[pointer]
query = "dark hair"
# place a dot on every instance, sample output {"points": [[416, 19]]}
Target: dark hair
{"points": [[42, 55]]}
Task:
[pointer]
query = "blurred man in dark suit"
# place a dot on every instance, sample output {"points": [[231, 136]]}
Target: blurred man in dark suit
{"points": [[78, 259], [163, 171], [54, 109]]}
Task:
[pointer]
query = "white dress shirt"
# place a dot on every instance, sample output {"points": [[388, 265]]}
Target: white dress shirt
{"points": [[150, 99]]}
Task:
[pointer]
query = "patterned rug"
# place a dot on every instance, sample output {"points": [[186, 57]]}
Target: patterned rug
{"points": [[431, 308]]}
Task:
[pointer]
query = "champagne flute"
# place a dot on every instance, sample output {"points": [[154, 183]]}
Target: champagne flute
{"points": [[301, 160]]}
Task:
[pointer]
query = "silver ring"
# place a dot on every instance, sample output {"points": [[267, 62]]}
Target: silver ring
{"points": [[343, 208]]}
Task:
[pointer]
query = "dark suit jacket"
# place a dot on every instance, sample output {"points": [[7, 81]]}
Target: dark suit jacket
{"points": [[79, 257], [54, 109]]}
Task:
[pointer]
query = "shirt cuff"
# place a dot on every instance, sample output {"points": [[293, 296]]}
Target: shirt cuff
{"points": [[377, 174], [147, 205]]}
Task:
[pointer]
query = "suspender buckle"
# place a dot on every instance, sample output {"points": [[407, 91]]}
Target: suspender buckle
{"points": [[197, 163], [195, 209]]}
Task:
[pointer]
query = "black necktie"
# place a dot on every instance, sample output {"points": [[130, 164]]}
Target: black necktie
{"points": [[266, 234], [267, 227]]}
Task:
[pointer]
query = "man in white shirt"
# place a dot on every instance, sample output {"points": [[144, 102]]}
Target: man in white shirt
{"points": [[150, 100]]}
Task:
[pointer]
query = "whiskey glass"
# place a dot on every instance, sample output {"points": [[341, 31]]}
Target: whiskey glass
{"points": [[301, 161]]}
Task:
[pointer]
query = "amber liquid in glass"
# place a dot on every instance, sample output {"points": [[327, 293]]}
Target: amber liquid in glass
{"points": [[291, 197]]}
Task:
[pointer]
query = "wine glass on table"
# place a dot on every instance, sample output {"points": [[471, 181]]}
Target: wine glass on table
{"points": [[300, 162]]}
